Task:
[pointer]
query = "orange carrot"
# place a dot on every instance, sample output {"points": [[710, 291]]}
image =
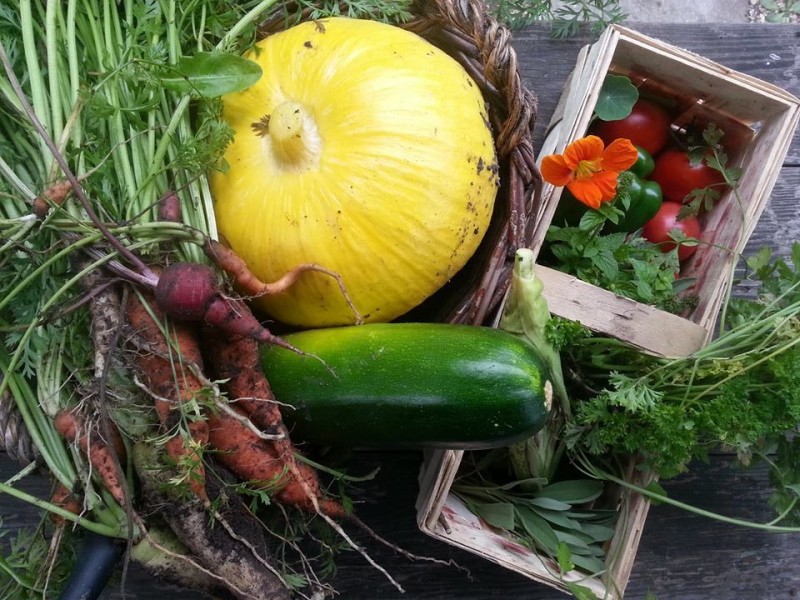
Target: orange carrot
{"points": [[99, 451], [257, 460], [63, 497], [247, 283], [236, 359], [52, 196], [169, 207], [169, 370]]}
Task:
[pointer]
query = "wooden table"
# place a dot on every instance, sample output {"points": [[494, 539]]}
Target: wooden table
{"points": [[682, 556]]}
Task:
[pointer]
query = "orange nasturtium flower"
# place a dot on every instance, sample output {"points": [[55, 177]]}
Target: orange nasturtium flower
{"points": [[589, 169]]}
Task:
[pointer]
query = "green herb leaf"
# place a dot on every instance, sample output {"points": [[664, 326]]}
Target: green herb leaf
{"points": [[590, 564], [549, 503], [497, 514], [577, 491], [616, 99], [210, 74], [580, 592], [539, 529], [564, 558], [598, 533], [560, 518]]}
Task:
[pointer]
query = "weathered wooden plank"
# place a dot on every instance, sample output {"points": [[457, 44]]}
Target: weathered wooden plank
{"points": [[681, 556]]}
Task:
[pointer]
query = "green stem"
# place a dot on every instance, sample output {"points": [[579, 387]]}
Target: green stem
{"points": [[50, 507], [597, 473], [34, 71], [52, 44], [27, 470]]}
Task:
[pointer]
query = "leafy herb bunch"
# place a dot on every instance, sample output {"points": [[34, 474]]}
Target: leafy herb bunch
{"points": [[626, 264], [741, 392]]}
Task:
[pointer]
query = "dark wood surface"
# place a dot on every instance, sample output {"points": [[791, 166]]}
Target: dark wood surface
{"points": [[682, 556]]}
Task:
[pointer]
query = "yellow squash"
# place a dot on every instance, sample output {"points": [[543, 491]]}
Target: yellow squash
{"points": [[366, 150]]}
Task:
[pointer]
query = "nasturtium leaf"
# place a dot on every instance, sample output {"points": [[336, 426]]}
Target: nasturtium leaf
{"points": [[496, 514], [616, 99], [210, 74]]}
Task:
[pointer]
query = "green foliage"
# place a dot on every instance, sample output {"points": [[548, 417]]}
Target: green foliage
{"points": [[517, 14], [707, 147], [741, 393], [599, 13], [566, 19], [562, 333], [388, 11], [628, 266], [781, 11], [210, 74], [554, 520], [616, 98], [21, 554]]}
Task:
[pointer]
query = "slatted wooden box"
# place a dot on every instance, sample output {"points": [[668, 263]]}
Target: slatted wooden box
{"points": [[762, 119], [759, 121]]}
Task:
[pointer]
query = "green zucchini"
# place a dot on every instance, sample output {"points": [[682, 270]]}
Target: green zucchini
{"points": [[409, 385]]}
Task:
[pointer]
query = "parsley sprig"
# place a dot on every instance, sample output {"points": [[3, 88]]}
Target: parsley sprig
{"points": [[741, 392], [625, 264]]}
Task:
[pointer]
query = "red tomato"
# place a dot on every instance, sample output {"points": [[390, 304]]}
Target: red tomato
{"points": [[647, 126], [658, 228], [677, 177]]}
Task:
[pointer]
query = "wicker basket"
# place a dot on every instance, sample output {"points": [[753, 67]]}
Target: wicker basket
{"points": [[464, 30]]}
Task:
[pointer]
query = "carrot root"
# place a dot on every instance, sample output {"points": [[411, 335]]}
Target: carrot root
{"points": [[169, 369], [259, 462], [247, 282], [97, 450]]}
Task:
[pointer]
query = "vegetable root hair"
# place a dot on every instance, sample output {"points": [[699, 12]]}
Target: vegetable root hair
{"points": [[246, 281]]}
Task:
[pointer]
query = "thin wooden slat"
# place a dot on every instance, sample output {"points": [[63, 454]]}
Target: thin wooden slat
{"points": [[761, 114]]}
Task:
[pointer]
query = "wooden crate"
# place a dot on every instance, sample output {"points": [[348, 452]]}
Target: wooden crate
{"points": [[442, 515], [758, 118], [762, 119]]}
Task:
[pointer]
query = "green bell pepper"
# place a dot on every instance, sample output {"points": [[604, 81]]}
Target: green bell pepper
{"points": [[645, 164], [645, 200]]}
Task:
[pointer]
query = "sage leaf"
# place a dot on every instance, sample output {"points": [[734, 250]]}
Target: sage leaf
{"points": [[539, 529], [560, 518], [616, 99], [580, 592], [578, 543], [590, 564], [546, 502], [497, 514], [599, 533], [574, 491], [210, 74]]}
